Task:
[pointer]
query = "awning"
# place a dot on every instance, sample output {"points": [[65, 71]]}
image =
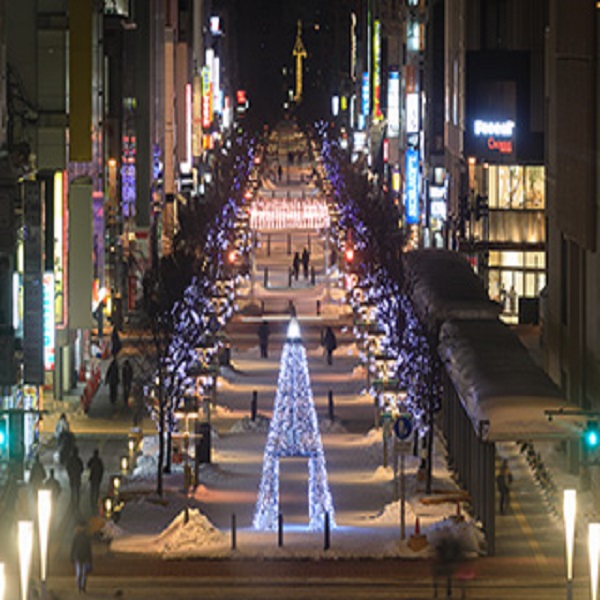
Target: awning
{"points": [[503, 391]]}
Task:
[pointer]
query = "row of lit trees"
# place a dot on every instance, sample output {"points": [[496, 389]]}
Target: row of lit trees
{"points": [[178, 294], [364, 210]]}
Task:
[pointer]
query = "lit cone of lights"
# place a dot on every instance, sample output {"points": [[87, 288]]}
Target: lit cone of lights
{"points": [[294, 432]]}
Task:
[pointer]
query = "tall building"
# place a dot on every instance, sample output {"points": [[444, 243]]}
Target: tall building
{"points": [[494, 145]]}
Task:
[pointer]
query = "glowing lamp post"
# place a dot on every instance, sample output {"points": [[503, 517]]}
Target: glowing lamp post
{"points": [[44, 514], [569, 513], [25, 549], [2, 581]]}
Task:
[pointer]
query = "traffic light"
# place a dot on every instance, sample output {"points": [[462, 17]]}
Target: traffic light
{"points": [[591, 436]]}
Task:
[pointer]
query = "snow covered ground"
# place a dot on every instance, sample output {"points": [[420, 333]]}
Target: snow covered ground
{"points": [[363, 490]]}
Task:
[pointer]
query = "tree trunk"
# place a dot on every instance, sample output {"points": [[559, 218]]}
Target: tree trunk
{"points": [[169, 451], [161, 440]]}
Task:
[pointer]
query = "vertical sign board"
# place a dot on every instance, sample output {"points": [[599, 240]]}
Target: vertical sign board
{"points": [[365, 96], [377, 70], [412, 186], [49, 338], [80, 256], [33, 341], [393, 103]]}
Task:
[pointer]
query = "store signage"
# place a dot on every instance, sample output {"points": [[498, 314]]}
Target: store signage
{"points": [[499, 134], [393, 102], [377, 70], [412, 187], [365, 96], [48, 315], [207, 98], [412, 113]]}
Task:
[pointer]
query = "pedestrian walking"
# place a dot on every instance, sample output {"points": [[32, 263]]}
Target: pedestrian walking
{"points": [[504, 481], [74, 468], [115, 341], [296, 265], [112, 380], [37, 475], [62, 426], [263, 339], [329, 343], [53, 485], [127, 376], [96, 467], [279, 172], [305, 262], [81, 555]]}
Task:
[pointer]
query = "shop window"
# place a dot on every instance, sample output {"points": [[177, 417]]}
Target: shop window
{"points": [[535, 197]]}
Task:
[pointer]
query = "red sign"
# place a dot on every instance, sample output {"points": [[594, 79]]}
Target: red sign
{"points": [[502, 146], [240, 97]]}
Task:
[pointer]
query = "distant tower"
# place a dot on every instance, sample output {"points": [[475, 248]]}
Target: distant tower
{"points": [[300, 53]]}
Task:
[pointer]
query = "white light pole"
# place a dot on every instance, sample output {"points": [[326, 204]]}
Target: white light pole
{"points": [[569, 513], [594, 552], [25, 549], [44, 515], [2, 581]]}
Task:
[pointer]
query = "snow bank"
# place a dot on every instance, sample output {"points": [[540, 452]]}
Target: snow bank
{"points": [[182, 539], [110, 531], [390, 515], [246, 425], [329, 426]]}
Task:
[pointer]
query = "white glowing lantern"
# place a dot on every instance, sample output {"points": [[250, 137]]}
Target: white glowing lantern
{"points": [[293, 332], [44, 515], [2, 581], [25, 529]]}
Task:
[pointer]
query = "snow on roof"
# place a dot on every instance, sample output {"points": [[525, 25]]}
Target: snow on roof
{"points": [[442, 285], [498, 382]]}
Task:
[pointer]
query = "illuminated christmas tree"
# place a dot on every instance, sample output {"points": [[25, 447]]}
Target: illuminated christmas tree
{"points": [[294, 431]]}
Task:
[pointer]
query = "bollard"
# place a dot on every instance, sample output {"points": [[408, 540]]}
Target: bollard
{"points": [[289, 243], [266, 278], [330, 405], [254, 406], [269, 244], [290, 277], [262, 307], [313, 276], [233, 532], [318, 308], [308, 240], [280, 530], [327, 542]]}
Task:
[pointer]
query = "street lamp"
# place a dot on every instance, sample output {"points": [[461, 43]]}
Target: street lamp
{"points": [[25, 529], [594, 552], [2, 581], [569, 512], [44, 514]]}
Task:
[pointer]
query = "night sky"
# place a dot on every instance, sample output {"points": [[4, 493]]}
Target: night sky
{"points": [[265, 34]]}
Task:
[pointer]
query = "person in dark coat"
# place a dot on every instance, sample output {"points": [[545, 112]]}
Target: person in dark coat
{"points": [[263, 339], [115, 342], [96, 467], [127, 375], [329, 343], [81, 555], [305, 262], [37, 475], [504, 481], [112, 380], [296, 265], [74, 470]]}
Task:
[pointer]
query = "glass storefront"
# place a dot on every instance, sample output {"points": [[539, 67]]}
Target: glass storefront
{"points": [[516, 187]]}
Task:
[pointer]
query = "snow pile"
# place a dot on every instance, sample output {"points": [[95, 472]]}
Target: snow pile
{"points": [[390, 515], [383, 474], [465, 533], [329, 426], [246, 425], [110, 531], [182, 539]]}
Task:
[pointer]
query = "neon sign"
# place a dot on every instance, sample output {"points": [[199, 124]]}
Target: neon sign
{"points": [[393, 103], [499, 134], [377, 70], [412, 186], [48, 319]]}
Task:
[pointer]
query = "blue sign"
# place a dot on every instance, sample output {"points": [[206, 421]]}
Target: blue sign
{"points": [[411, 199], [365, 95], [403, 427]]}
